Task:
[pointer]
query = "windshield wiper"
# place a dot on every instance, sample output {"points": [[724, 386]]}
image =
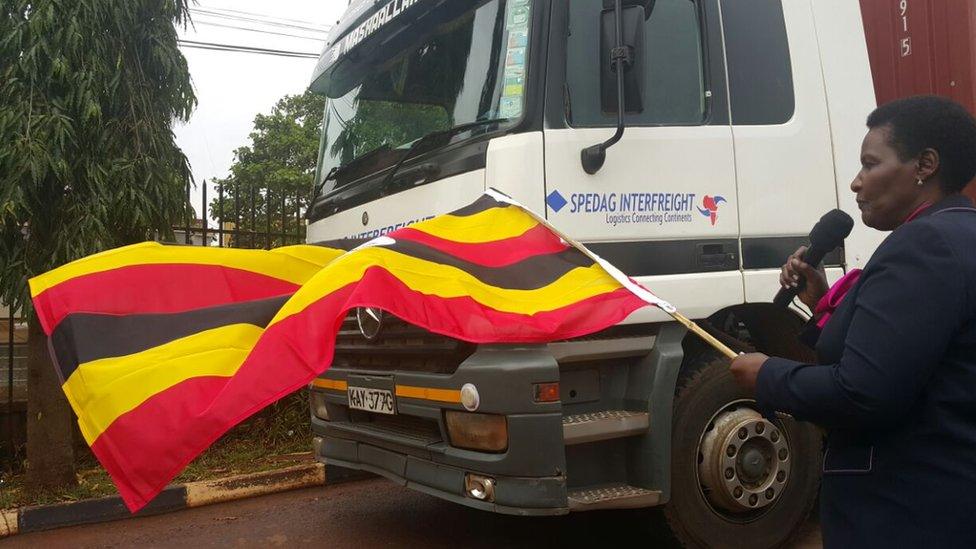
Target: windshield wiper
{"points": [[432, 169], [328, 177], [337, 171]]}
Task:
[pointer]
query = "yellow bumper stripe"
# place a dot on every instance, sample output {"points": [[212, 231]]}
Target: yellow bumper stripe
{"points": [[452, 396], [427, 393], [334, 384]]}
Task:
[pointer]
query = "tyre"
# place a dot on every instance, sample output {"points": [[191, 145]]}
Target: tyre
{"points": [[737, 479]]}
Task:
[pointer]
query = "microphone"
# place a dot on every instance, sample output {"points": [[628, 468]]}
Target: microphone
{"points": [[827, 235]]}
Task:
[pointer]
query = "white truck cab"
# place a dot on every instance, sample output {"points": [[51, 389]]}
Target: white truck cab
{"points": [[742, 126]]}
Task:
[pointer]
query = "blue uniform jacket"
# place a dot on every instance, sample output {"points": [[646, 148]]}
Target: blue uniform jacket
{"points": [[896, 391]]}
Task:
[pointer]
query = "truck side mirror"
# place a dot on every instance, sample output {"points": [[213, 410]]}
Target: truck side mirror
{"points": [[621, 72], [632, 23], [648, 5]]}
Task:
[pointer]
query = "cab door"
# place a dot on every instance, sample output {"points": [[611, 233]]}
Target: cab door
{"points": [[781, 131], [664, 206]]}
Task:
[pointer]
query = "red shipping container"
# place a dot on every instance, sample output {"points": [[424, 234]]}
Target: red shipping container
{"points": [[922, 47]]}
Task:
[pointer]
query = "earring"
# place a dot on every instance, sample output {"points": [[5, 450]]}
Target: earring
{"points": [[920, 183]]}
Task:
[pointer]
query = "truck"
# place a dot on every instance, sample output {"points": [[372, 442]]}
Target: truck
{"points": [[692, 144]]}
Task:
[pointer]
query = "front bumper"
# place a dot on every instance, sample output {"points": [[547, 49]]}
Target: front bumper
{"points": [[513, 495], [412, 448]]}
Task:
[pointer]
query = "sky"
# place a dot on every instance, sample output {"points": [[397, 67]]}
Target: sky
{"points": [[233, 87]]}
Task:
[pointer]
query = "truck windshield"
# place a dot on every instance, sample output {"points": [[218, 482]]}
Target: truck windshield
{"points": [[452, 63]]}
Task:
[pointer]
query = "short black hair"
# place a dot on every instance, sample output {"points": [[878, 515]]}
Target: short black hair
{"points": [[932, 122]]}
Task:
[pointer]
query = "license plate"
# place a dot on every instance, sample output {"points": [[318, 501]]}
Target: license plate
{"points": [[379, 401]]}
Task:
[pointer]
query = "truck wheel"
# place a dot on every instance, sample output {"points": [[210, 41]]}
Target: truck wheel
{"points": [[737, 479]]}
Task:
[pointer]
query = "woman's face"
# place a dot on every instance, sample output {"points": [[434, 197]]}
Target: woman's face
{"points": [[886, 187]]}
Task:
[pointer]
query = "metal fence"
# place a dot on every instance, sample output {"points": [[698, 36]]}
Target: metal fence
{"points": [[13, 383], [244, 216]]}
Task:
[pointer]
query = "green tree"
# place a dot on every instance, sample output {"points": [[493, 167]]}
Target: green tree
{"points": [[88, 93], [273, 174]]}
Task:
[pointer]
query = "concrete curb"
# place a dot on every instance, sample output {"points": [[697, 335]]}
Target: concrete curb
{"points": [[173, 498]]}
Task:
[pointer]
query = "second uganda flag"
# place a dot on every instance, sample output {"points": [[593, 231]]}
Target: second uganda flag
{"points": [[162, 349]]}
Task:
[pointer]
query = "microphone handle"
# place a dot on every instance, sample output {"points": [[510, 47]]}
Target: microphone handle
{"points": [[814, 256]]}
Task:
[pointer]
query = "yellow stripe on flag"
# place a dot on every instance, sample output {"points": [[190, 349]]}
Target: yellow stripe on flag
{"points": [[102, 390], [319, 256], [487, 226], [446, 281], [294, 264]]}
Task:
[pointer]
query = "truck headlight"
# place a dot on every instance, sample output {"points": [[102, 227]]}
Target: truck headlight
{"points": [[483, 432], [316, 402]]}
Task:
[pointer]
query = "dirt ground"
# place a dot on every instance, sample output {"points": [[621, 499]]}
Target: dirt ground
{"points": [[370, 513]]}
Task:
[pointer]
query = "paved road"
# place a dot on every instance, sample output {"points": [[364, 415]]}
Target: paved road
{"points": [[359, 515]]}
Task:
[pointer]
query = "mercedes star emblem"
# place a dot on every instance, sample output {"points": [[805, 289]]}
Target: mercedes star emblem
{"points": [[370, 321]]}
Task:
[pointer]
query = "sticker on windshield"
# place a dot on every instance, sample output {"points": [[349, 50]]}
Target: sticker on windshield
{"points": [[514, 83], [513, 90], [516, 58], [518, 39], [518, 13], [510, 107]]}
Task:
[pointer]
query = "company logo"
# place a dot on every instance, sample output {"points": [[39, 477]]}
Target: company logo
{"points": [[643, 208], [370, 320], [710, 209], [556, 201], [380, 231]]}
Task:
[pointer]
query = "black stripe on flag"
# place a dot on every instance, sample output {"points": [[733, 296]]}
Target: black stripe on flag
{"points": [[84, 337], [484, 203], [531, 273], [344, 244]]}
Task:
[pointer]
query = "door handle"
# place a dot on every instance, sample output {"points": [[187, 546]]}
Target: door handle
{"points": [[717, 256]]}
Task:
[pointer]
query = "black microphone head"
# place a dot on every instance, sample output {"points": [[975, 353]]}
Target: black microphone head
{"points": [[831, 230]]}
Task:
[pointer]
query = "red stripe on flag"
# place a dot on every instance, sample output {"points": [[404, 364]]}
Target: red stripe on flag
{"points": [[167, 288], [465, 318], [140, 447], [147, 447], [538, 240]]}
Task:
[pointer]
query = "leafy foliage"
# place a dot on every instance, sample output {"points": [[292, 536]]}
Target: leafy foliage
{"points": [[273, 175], [88, 161]]}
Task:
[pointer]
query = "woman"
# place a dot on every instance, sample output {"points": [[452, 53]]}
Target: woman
{"points": [[895, 387]]}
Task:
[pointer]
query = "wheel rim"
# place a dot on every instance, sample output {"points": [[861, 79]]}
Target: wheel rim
{"points": [[743, 463]]}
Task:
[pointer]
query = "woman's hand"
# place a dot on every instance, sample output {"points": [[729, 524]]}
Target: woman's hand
{"points": [[816, 285], [745, 369]]}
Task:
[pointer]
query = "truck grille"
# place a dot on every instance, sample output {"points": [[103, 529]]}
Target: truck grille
{"points": [[422, 430], [399, 346]]}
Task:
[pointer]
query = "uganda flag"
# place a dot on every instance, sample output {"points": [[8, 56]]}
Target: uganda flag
{"points": [[162, 349]]}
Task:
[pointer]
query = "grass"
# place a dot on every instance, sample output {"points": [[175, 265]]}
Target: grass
{"points": [[277, 437]]}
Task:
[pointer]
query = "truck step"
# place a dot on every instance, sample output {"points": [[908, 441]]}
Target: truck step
{"points": [[603, 425], [585, 349], [616, 496]]}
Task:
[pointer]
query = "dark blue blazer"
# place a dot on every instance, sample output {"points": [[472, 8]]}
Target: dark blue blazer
{"points": [[896, 391]]}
